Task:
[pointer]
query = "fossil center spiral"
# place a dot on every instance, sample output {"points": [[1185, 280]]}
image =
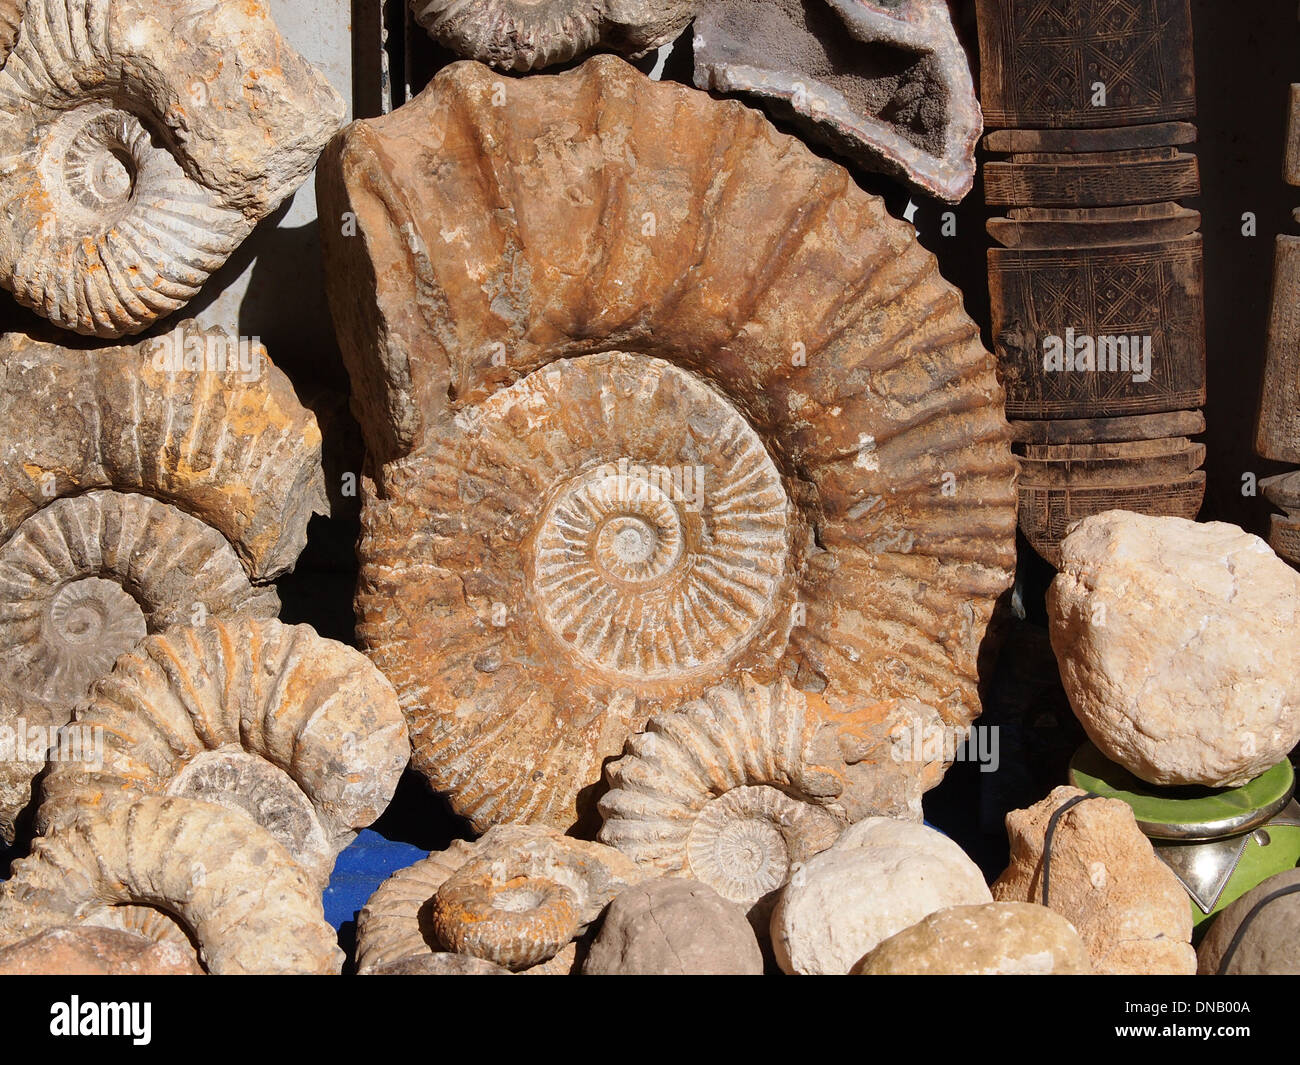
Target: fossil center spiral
{"points": [[85, 625]]}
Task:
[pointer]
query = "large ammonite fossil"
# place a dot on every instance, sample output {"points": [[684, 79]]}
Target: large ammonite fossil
{"points": [[526, 34], [206, 873], [739, 785], [519, 897], [301, 733], [134, 498], [653, 396], [143, 141]]}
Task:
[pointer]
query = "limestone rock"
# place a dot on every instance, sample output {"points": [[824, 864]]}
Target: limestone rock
{"points": [[1270, 944], [96, 952], [527, 34], [1125, 903], [996, 939], [880, 877], [673, 927], [440, 964], [227, 882], [884, 82], [548, 558], [133, 167], [1177, 645]]}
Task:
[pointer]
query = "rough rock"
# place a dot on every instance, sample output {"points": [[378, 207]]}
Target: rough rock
{"points": [[134, 167], [439, 964], [1106, 880], [884, 82], [880, 877], [1177, 646], [1270, 945], [996, 939], [674, 927], [96, 952], [529, 327]]}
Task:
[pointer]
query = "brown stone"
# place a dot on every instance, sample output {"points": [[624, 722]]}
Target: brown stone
{"points": [[1258, 934], [88, 951], [1106, 880], [135, 166], [547, 342]]}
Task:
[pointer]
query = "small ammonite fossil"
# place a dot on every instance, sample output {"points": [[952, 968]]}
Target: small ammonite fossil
{"points": [[740, 785], [632, 434], [135, 495], [300, 733], [519, 897], [224, 881], [527, 34], [144, 140]]}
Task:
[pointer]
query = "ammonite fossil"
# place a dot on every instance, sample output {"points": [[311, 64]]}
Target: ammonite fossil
{"points": [[631, 433], [236, 893], [884, 82], [301, 733], [130, 168], [134, 498], [526, 34], [739, 785], [519, 897]]}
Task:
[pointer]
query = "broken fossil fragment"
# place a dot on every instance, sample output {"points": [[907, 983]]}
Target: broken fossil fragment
{"points": [[738, 786], [518, 897], [300, 733], [136, 495], [630, 437], [130, 167], [527, 34], [884, 82], [210, 874]]}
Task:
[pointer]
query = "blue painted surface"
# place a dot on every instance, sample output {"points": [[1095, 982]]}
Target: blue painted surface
{"points": [[367, 862]]}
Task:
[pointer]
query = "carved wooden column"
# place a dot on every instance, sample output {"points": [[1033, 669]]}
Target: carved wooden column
{"points": [[1278, 432], [1097, 290]]}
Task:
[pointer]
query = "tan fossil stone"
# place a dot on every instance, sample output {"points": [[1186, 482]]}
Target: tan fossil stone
{"points": [[132, 167], [440, 964], [527, 34], [1125, 903], [96, 952], [1177, 646], [549, 338], [520, 897], [741, 784], [299, 732], [1257, 934], [995, 939], [242, 899], [880, 876], [135, 495]]}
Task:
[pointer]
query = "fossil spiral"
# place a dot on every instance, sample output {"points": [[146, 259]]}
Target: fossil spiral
{"points": [[739, 785], [224, 879], [526, 34], [519, 897], [131, 168], [653, 397], [134, 497], [299, 732]]}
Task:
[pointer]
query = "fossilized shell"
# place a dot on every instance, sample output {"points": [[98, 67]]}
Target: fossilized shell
{"points": [[884, 82], [243, 899], [25, 726], [519, 897], [11, 17], [526, 34], [630, 434], [301, 733], [130, 168], [741, 784], [96, 952]]}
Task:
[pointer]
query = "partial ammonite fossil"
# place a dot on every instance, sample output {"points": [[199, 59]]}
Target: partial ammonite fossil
{"points": [[130, 168], [884, 82], [220, 879], [739, 785], [631, 433], [526, 34], [519, 897], [135, 496], [301, 733]]}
